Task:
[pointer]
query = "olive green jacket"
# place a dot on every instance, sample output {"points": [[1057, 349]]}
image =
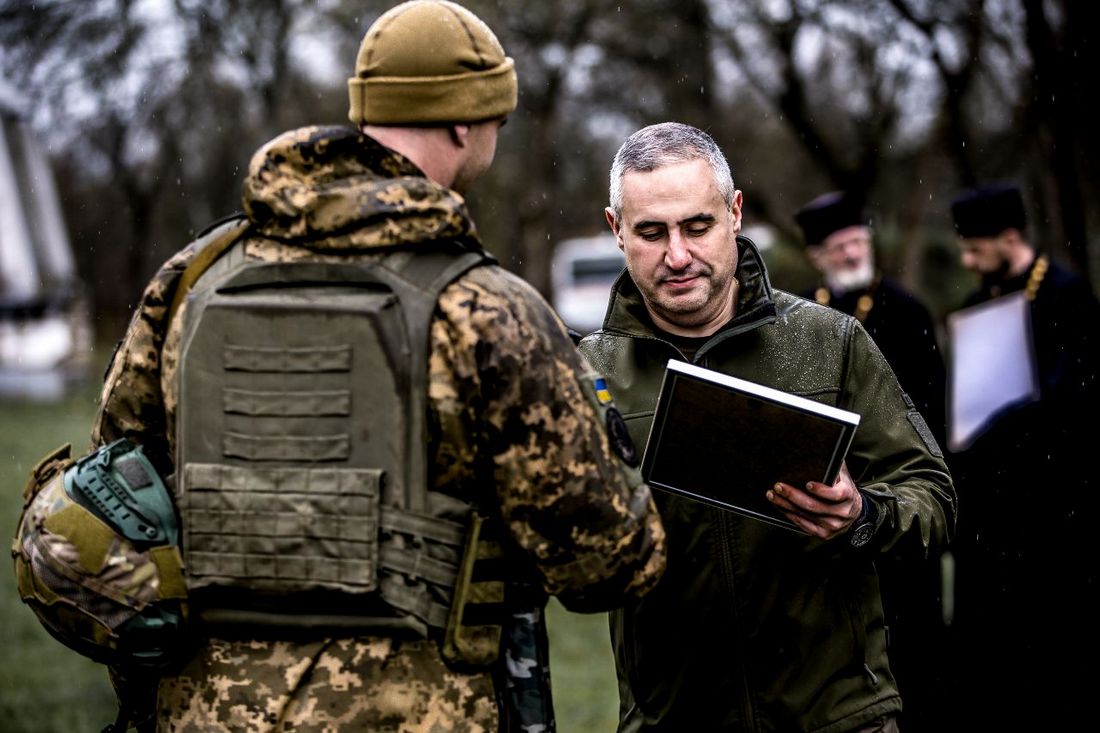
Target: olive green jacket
{"points": [[755, 627]]}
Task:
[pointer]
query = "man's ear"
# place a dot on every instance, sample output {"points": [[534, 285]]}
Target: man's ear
{"points": [[612, 221], [459, 134], [735, 211]]}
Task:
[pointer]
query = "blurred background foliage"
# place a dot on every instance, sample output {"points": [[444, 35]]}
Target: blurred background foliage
{"points": [[150, 110]]}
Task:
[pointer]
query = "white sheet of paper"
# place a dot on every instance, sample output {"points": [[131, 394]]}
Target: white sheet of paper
{"points": [[992, 364]]}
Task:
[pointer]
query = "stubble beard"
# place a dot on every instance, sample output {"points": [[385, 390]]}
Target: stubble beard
{"points": [[691, 309]]}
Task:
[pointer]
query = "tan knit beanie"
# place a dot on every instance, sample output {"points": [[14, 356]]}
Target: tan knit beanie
{"points": [[430, 61]]}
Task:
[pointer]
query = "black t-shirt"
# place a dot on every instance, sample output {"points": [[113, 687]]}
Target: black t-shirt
{"points": [[687, 345]]}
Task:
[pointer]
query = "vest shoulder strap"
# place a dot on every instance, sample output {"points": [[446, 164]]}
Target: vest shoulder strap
{"points": [[210, 245]]}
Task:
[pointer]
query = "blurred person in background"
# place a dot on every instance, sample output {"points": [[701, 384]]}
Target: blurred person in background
{"points": [[840, 244], [753, 626], [1026, 632], [324, 599]]}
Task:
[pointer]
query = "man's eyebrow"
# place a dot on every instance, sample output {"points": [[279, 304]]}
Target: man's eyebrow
{"points": [[700, 218], [646, 224]]}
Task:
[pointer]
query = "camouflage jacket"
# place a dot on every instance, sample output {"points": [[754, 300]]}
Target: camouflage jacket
{"points": [[504, 392]]}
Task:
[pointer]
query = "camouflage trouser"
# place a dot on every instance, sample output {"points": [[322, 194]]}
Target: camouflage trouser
{"points": [[527, 706]]}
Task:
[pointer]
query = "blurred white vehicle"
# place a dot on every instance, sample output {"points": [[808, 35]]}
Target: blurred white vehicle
{"points": [[45, 326], [581, 275]]}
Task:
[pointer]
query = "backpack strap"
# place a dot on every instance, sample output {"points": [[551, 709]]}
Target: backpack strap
{"points": [[209, 246]]}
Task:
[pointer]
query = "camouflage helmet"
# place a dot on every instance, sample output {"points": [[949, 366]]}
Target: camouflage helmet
{"points": [[97, 556]]}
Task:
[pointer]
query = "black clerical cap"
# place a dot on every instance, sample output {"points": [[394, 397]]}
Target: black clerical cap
{"points": [[828, 213], [988, 210]]}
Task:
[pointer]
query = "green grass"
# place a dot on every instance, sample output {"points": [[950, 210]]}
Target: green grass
{"points": [[582, 671], [45, 688]]}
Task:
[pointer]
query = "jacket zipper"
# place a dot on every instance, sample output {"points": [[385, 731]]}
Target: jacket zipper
{"points": [[725, 535], [725, 539]]}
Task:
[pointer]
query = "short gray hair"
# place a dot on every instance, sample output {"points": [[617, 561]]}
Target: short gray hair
{"points": [[664, 144]]}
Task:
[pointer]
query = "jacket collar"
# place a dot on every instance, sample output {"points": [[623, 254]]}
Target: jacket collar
{"points": [[627, 315]]}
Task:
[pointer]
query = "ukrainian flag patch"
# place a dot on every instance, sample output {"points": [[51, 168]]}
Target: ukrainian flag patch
{"points": [[602, 393]]}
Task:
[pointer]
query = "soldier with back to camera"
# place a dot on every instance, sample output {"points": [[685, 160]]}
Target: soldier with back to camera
{"points": [[380, 443]]}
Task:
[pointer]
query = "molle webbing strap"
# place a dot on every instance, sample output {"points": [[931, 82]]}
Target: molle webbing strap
{"points": [[473, 631], [261, 524], [287, 403], [289, 361], [439, 530]]}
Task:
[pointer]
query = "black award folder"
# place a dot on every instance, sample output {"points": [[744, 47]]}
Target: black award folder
{"points": [[725, 441]]}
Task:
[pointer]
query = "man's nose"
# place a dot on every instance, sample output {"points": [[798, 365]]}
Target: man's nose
{"points": [[677, 254]]}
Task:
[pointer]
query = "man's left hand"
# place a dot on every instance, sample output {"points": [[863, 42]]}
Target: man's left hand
{"points": [[819, 509]]}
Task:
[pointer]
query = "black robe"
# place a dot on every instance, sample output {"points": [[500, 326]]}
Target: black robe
{"points": [[1027, 567]]}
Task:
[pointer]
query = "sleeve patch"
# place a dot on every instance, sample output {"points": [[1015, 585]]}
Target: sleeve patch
{"points": [[619, 437], [918, 423], [603, 394]]}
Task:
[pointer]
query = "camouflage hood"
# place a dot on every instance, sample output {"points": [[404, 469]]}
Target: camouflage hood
{"points": [[332, 188]]}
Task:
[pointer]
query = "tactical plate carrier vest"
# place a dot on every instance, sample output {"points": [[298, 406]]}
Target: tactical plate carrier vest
{"points": [[302, 476]]}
